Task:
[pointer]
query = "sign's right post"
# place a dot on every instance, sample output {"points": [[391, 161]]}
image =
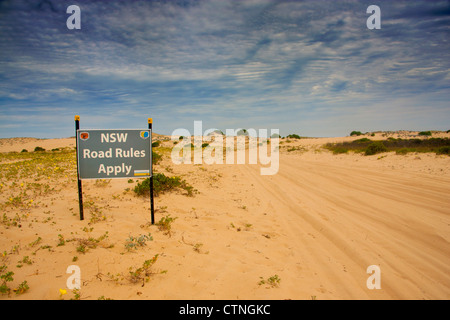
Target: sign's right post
{"points": [[152, 209]]}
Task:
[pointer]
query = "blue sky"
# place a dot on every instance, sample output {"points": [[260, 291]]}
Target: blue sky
{"points": [[306, 67]]}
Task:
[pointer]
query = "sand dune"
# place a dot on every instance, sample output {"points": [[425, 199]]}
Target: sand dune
{"points": [[316, 226]]}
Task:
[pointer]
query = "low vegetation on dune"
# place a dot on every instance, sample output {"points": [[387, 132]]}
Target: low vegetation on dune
{"points": [[400, 146]]}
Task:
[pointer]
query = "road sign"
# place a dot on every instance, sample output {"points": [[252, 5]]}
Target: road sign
{"points": [[109, 154]]}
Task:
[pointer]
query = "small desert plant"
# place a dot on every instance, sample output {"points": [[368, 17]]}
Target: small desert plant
{"points": [[272, 281], [293, 136], [156, 144], [135, 242], [425, 133], [143, 273], [197, 247], [5, 277], [76, 294], [165, 224], [355, 133], [35, 242], [89, 243], [39, 149], [22, 288], [25, 260], [61, 240]]}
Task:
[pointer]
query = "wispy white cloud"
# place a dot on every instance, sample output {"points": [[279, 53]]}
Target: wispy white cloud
{"points": [[215, 60]]}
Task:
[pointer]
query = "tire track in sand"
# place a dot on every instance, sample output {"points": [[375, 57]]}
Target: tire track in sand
{"points": [[338, 236]]}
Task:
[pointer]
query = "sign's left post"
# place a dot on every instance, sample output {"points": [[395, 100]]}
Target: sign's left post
{"points": [[80, 191]]}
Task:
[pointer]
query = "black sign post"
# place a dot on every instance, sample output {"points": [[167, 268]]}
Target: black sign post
{"points": [[80, 191], [152, 209]]}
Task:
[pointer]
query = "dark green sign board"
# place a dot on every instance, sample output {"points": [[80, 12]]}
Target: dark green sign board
{"points": [[108, 154]]}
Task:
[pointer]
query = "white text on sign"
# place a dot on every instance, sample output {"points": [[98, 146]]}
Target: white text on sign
{"points": [[118, 153], [114, 137]]}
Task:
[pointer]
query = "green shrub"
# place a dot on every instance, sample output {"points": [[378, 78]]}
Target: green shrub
{"points": [[293, 136], [362, 140], [156, 157], [402, 151], [38, 149], [425, 133], [156, 144], [375, 147], [24, 150], [340, 150], [444, 150], [355, 133], [161, 184]]}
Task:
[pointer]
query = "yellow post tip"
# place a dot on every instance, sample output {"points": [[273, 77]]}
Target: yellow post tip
{"points": [[77, 118], [150, 120]]}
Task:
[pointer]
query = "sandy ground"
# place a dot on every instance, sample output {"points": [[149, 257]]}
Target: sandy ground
{"points": [[316, 226]]}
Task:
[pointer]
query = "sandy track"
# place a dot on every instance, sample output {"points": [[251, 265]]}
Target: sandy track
{"points": [[340, 220]]}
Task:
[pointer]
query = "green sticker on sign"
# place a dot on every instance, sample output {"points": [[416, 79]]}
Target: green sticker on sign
{"points": [[107, 154]]}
